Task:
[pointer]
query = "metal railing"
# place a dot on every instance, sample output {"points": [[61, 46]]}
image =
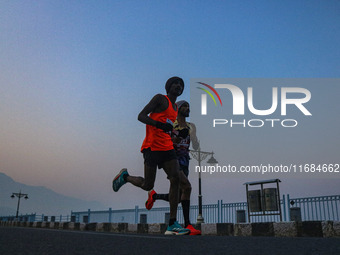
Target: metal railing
{"points": [[317, 208], [312, 208], [37, 217]]}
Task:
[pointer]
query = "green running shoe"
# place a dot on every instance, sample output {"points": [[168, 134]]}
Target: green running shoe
{"points": [[176, 229], [119, 181]]}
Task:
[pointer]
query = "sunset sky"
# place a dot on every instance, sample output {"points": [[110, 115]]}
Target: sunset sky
{"points": [[75, 74]]}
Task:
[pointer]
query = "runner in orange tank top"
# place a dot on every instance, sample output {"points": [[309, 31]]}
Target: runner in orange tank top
{"points": [[156, 139], [158, 150]]}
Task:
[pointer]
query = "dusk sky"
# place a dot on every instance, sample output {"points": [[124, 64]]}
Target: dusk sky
{"points": [[75, 74]]}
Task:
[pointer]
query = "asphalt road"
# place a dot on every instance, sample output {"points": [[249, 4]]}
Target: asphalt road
{"points": [[47, 241]]}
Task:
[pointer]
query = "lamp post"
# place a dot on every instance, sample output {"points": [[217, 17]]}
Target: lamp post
{"points": [[200, 156], [19, 196]]}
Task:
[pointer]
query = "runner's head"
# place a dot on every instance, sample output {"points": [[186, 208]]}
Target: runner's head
{"points": [[174, 80], [183, 108]]}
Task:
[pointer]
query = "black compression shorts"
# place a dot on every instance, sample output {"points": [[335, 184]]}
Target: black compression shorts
{"points": [[158, 158]]}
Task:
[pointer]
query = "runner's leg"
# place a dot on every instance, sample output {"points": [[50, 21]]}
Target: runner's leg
{"points": [[185, 187], [171, 169], [148, 181]]}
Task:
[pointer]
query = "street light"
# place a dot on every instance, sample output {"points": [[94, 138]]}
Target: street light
{"points": [[19, 196], [200, 156]]}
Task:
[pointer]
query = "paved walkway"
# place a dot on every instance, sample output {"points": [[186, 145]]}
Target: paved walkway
{"points": [[15, 240]]}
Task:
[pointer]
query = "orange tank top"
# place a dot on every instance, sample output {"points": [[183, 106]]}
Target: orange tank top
{"points": [[156, 139]]}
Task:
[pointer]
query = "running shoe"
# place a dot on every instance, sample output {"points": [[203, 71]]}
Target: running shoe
{"points": [[150, 201], [119, 181], [176, 229], [193, 231]]}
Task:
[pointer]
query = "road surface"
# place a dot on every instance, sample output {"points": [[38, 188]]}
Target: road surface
{"points": [[49, 241]]}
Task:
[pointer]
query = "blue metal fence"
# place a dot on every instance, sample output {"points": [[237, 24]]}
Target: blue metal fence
{"points": [[312, 208], [36, 217], [26, 217], [317, 208]]}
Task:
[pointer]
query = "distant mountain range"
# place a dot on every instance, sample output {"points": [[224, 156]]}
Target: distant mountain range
{"points": [[41, 200]]}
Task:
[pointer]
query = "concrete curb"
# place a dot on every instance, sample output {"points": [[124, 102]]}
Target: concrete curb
{"points": [[277, 229]]}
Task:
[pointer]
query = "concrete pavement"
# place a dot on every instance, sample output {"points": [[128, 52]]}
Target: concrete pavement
{"points": [[18, 240]]}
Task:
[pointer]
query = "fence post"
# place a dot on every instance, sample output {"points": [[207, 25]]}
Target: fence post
{"points": [[240, 216], [295, 213], [218, 211], [143, 219], [136, 214], [166, 218], [284, 207], [110, 217], [221, 211], [85, 219], [288, 206], [89, 215], [222, 220]]}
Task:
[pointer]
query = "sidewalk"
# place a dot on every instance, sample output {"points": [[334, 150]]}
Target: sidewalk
{"points": [[273, 229]]}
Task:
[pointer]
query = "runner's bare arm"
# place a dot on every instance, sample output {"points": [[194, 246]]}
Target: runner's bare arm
{"points": [[156, 104]]}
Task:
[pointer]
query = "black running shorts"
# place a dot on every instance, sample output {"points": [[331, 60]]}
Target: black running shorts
{"points": [[158, 158]]}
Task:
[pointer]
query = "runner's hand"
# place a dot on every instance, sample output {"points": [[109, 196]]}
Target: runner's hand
{"points": [[164, 126]]}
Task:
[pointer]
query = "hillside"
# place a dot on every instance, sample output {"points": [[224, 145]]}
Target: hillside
{"points": [[41, 200]]}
